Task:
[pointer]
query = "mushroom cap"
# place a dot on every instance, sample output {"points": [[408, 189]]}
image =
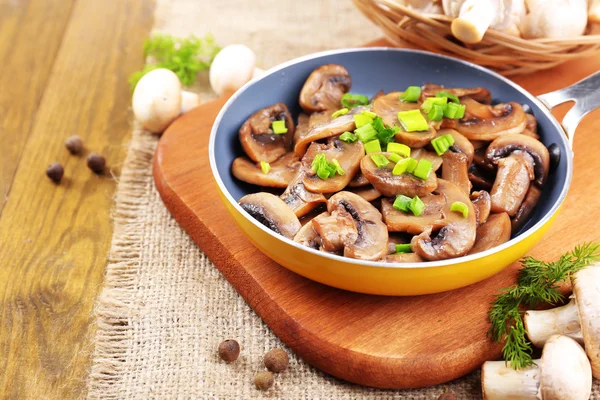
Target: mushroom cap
{"points": [[283, 170], [336, 230], [231, 68], [482, 204], [586, 288], [324, 88], [565, 370], [157, 99], [512, 183], [369, 193], [504, 145], [564, 19], [495, 231], [479, 94], [431, 218], [300, 200], [258, 139], [509, 118], [359, 180], [307, 236], [461, 143], [272, 212]]}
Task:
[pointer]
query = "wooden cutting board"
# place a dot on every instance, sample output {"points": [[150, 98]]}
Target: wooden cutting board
{"points": [[388, 342]]}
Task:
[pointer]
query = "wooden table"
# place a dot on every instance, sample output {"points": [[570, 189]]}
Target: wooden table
{"points": [[64, 71]]}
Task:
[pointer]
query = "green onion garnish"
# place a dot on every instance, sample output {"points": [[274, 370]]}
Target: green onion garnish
{"points": [[379, 160], [460, 207], [436, 113], [455, 111], [417, 206], [373, 147], [279, 127], [366, 133], [403, 248], [369, 114], [413, 121], [448, 95], [348, 137], [353, 100], [339, 113], [322, 167], [442, 144], [402, 203], [265, 167], [432, 101], [384, 134], [338, 167], [362, 120], [423, 169], [394, 157], [411, 165], [399, 148], [411, 94], [402, 166]]}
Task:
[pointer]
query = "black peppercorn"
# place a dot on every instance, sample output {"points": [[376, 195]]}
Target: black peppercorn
{"points": [[554, 151], [263, 380], [55, 172], [96, 162], [229, 350], [276, 360], [74, 144]]}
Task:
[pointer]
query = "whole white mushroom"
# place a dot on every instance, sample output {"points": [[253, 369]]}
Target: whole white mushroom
{"points": [[555, 18], [158, 100], [594, 12], [232, 67]]}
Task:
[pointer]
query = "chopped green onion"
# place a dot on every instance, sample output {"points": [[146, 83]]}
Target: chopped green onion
{"points": [[411, 94], [436, 113], [279, 127], [401, 166], [379, 160], [321, 166], [460, 207], [411, 165], [373, 147], [265, 167], [348, 137], [417, 206], [455, 111], [402, 203], [394, 157], [369, 114], [432, 101], [384, 134], [323, 173], [362, 120], [352, 100], [318, 161], [423, 169], [399, 148], [442, 144], [413, 121], [338, 167], [366, 133], [449, 96], [403, 248], [339, 113]]}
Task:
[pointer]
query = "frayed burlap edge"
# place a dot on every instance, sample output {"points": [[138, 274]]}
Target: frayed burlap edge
{"points": [[116, 303]]}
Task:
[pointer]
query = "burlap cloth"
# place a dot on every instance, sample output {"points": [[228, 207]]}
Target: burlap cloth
{"points": [[165, 307]]}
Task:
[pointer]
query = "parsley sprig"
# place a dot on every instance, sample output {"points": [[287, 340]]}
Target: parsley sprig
{"points": [[184, 56], [537, 283]]}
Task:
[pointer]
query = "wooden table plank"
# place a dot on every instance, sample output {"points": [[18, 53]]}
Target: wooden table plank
{"points": [[30, 34], [54, 239]]}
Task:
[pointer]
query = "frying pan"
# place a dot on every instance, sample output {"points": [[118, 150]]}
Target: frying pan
{"points": [[373, 69]]}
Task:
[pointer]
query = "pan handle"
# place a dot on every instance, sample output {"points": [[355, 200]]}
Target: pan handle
{"points": [[585, 94]]}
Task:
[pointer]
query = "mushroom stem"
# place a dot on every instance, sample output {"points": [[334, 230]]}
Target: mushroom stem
{"points": [[474, 19], [500, 381], [540, 325], [189, 100]]}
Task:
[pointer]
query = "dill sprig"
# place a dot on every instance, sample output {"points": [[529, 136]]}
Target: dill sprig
{"points": [[186, 57], [537, 283]]}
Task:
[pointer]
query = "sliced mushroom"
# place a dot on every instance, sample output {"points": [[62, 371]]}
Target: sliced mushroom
{"points": [[348, 155], [281, 174], [479, 94], [257, 137], [372, 241], [461, 143], [272, 212], [508, 119], [431, 218], [515, 174], [456, 170], [503, 146], [336, 230], [403, 258], [457, 237], [302, 126], [324, 88], [359, 180], [392, 185], [481, 160], [377, 95], [307, 236], [369, 193], [482, 204], [300, 200], [495, 231], [531, 134], [531, 123], [475, 109], [436, 160], [388, 106], [526, 209]]}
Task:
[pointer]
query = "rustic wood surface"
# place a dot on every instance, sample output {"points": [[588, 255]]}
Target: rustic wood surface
{"points": [[372, 340], [64, 71]]}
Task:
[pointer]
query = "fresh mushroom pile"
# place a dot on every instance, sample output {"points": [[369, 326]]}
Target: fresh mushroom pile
{"points": [[427, 174]]}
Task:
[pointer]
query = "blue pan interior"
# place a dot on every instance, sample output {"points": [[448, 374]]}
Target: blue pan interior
{"points": [[372, 70]]}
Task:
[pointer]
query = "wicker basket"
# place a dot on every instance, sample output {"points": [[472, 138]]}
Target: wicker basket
{"points": [[504, 53]]}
